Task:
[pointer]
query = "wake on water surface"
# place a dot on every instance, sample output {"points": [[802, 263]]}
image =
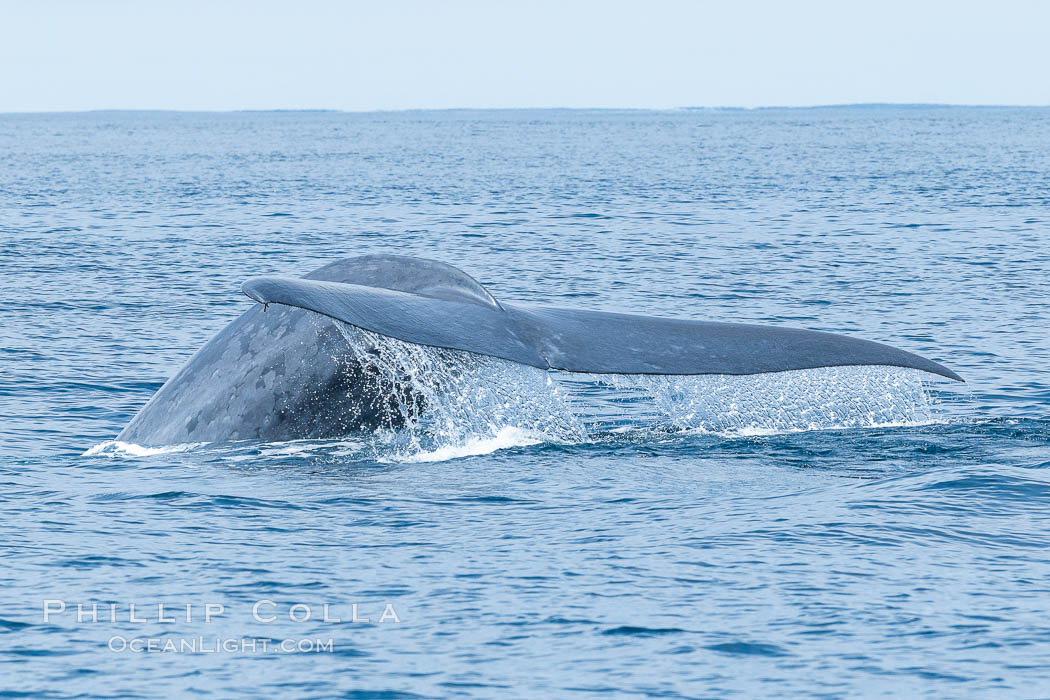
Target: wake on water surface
{"points": [[452, 404]]}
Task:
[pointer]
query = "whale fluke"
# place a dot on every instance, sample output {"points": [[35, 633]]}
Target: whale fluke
{"points": [[431, 310]]}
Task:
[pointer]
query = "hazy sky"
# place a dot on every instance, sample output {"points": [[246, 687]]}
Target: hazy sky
{"points": [[399, 54]]}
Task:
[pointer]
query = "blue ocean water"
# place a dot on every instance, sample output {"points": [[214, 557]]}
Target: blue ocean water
{"points": [[603, 536]]}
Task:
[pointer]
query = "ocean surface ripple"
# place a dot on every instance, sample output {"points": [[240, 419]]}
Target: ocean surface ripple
{"points": [[833, 533]]}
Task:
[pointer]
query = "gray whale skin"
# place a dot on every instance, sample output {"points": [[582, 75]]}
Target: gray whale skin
{"points": [[276, 373]]}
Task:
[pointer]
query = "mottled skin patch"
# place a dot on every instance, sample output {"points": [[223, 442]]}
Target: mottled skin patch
{"points": [[284, 373]]}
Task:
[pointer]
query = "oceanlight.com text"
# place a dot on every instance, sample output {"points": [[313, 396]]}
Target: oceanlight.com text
{"points": [[218, 645]]}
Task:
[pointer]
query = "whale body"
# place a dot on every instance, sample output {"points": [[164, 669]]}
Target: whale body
{"points": [[277, 373]]}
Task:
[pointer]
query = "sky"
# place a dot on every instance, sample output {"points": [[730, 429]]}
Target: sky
{"points": [[58, 55]]}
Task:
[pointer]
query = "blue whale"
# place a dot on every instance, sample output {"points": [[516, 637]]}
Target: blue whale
{"points": [[276, 373]]}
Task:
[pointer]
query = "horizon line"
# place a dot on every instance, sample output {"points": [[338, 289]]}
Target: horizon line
{"points": [[688, 108]]}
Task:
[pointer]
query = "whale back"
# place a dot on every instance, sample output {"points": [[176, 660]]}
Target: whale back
{"points": [[282, 373]]}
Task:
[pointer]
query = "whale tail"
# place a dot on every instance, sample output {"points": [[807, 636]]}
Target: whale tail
{"points": [[431, 303]]}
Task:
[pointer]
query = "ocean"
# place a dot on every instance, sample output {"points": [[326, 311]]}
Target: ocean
{"points": [[847, 532]]}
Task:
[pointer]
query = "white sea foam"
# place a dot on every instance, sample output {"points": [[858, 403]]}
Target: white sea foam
{"points": [[116, 448], [505, 438]]}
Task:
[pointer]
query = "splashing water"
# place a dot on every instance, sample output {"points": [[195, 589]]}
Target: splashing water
{"points": [[453, 403], [809, 399]]}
